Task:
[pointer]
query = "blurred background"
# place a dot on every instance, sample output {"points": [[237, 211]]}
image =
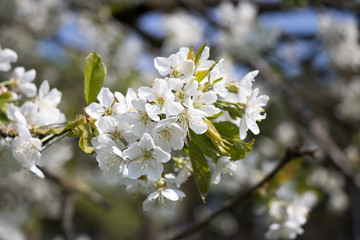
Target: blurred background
{"points": [[308, 55]]}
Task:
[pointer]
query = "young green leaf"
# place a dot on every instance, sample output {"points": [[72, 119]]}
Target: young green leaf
{"points": [[205, 145], [84, 130], [236, 148], [200, 75], [94, 73], [200, 168], [199, 53], [239, 149]]}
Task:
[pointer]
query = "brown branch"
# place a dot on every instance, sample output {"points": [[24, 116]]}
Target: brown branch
{"points": [[291, 153], [75, 187], [316, 128]]}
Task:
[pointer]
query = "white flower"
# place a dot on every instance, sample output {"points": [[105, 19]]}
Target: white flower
{"points": [[145, 158], [175, 66], [116, 129], [109, 157], [136, 186], [47, 98], [21, 115], [184, 92], [164, 197], [23, 81], [223, 165], [285, 230], [182, 29], [251, 104], [168, 135], [217, 73], [125, 103], [107, 105], [139, 119], [47, 101], [192, 118], [26, 150], [7, 56], [205, 101], [161, 100]]}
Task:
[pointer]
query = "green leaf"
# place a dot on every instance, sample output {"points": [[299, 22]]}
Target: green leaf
{"points": [[190, 55], [227, 129], [201, 169], [45, 131], [199, 53], [94, 73], [83, 129], [235, 147], [216, 115], [200, 75], [239, 149], [208, 147]]}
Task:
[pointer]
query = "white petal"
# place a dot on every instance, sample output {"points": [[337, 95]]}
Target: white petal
{"points": [[44, 89], [161, 64], [105, 97], [152, 196], [173, 108], [28, 89], [243, 128], [29, 76], [95, 110], [154, 172], [37, 171], [146, 142], [170, 194], [161, 155], [135, 170], [253, 126]]}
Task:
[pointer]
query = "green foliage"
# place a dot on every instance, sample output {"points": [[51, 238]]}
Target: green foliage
{"points": [[94, 73], [200, 75], [207, 146], [4, 102], [236, 148], [190, 55], [227, 129], [199, 53], [201, 168], [45, 131], [85, 130]]}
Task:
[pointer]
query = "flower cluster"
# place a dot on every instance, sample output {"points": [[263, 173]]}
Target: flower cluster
{"points": [[291, 213], [138, 132], [25, 108]]}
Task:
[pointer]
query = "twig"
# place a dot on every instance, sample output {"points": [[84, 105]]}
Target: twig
{"points": [[337, 156], [76, 187], [291, 153]]}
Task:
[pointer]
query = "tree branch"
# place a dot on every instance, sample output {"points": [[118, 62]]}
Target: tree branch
{"points": [[291, 153], [72, 186]]}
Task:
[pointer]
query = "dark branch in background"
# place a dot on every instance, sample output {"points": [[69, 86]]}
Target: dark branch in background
{"points": [[75, 187], [310, 121], [336, 155], [291, 153]]}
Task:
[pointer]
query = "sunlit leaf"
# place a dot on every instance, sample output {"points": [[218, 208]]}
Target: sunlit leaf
{"points": [[201, 169], [94, 73]]}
